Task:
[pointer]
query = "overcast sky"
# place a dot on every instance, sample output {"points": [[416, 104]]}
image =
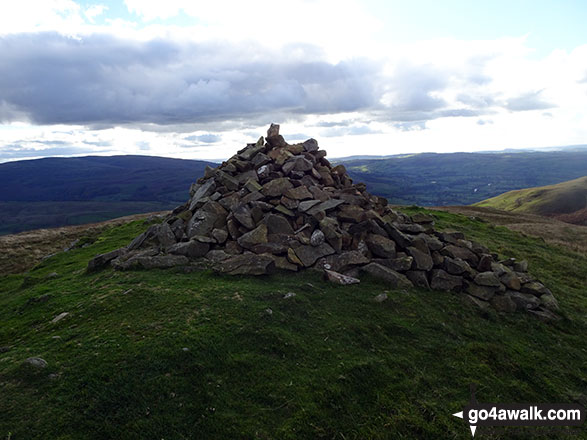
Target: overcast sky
{"points": [[199, 79]]}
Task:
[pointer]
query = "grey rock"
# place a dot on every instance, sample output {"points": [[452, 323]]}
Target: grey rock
{"points": [[36, 362], [211, 215], [153, 262], [395, 279], [483, 292], [548, 301], [511, 281], [487, 279], [243, 214], [217, 255], [277, 224], [535, 288], [59, 317], [100, 261], [307, 204], [422, 260], [440, 280], [380, 246], [309, 254], [202, 190], [276, 187], [310, 145], [165, 236], [399, 264], [418, 278], [346, 260], [254, 237], [246, 264], [462, 253], [325, 206], [380, 298], [220, 235], [503, 303], [340, 279], [190, 249], [317, 238]]}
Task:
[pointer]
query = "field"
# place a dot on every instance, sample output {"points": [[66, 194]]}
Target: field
{"points": [[174, 355]]}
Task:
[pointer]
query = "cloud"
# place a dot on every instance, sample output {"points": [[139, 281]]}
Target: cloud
{"points": [[205, 138], [17, 151], [528, 101], [104, 80]]}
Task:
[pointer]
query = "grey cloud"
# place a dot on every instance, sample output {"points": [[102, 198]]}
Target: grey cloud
{"points": [[17, 151], [528, 101], [205, 138], [410, 126], [102, 81]]}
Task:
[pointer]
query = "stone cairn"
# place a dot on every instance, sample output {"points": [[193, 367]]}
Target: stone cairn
{"points": [[279, 206]]}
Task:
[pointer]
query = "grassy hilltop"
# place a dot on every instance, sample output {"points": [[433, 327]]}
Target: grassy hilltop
{"points": [[166, 354], [566, 201]]}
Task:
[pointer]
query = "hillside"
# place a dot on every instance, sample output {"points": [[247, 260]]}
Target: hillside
{"points": [[67, 191], [166, 354], [431, 179], [566, 201]]}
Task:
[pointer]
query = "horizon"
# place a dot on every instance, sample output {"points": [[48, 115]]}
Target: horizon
{"points": [[178, 80]]}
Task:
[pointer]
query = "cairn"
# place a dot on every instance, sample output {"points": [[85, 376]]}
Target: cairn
{"points": [[276, 206]]}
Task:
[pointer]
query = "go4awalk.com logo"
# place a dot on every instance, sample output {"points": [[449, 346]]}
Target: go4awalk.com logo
{"points": [[477, 414]]}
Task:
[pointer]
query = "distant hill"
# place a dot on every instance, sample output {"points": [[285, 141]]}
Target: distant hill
{"points": [[67, 191], [566, 201], [431, 179]]}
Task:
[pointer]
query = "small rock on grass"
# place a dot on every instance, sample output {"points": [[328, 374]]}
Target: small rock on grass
{"points": [[36, 362], [338, 278], [380, 298]]}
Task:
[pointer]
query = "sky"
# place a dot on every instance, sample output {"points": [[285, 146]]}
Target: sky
{"points": [[199, 79]]}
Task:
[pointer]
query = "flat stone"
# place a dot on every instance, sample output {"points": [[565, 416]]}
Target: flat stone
{"points": [[399, 264], [346, 260], [340, 279], [59, 317], [309, 254], [100, 261], [418, 278], [211, 215], [277, 224], [246, 264], [293, 258], [217, 255], [220, 235], [153, 262], [306, 205], [269, 248], [462, 253], [190, 249], [202, 190], [395, 279], [455, 266], [165, 235], [226, 180], [299, 193], [524, 301], [511, 281], [252, 185], [325, 206], [351, 213]]}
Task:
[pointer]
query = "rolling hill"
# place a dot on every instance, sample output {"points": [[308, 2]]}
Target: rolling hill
{"points": [[566, 201], [431, 179], [68, 191]]}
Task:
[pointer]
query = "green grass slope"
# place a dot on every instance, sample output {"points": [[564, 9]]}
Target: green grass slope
{"points": [[566, 201], [164, 354]]}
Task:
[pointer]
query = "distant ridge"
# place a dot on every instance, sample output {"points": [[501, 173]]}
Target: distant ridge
{"points": [[566, 201]]}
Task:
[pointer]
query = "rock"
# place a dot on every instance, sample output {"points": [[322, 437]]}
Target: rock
{"points": [[456, 266], [544, 315], [59, 317], [346, 260], [100, 261], [306, 205], [299, 193], [462, 253], [165, 235], [399, 264], [252, 185], [422, 260], [511, 281], [289, 295], [293, 258], [317, 238], [220, 235], [325, 206], [269, 248], [243, 215], [351, 213], [476, 302], [273, 130], [380, 298], [402, 240], [246, 264], [395, 279], [338, 278], [276, 187], [548, 301], [276, 224], [36, 362], [380, 246], [153, 262], [482, 292], [143, 238], [283, 263], [440, 280], [211, 215], [190, 249], [418, 278], [310, 145], [217, 255], [487, 279], [485, 263], [535, 288], [521, 266], [283, 210], [503, 303], [308, 254], [201, 191], [420, 217], [251, 238], [523, 301]]}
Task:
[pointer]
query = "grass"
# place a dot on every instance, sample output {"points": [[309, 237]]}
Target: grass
{"points": [[170, 355]]}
